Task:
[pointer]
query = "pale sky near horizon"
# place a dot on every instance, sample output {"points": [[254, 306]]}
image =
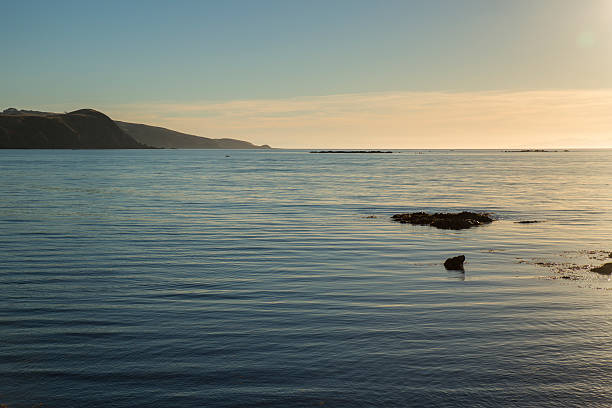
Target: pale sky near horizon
{"points": [[363, 74]]}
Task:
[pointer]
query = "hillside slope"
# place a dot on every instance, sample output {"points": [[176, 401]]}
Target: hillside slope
{"points": [[165, 138]]}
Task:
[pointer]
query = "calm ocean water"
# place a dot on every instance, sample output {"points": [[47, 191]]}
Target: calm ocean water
{"points": [[185, 278]]}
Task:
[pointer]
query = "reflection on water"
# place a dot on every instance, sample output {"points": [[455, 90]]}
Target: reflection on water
{"points": [[181, 278], [459, 275]]}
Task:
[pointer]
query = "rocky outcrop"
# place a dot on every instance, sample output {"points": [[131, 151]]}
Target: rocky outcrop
{"points": [[351, 151], [455, 263], [535, 151], [454, 221], [605, 269], [81, 129]]}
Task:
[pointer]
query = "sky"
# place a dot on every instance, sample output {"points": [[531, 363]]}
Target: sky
{"points": [[336, 74]]}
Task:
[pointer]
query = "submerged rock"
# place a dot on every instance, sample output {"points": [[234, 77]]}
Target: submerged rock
{"points": [[535, 151], [605, 269], [351, 151], [454, 221], [528, 222], [455, 263]]}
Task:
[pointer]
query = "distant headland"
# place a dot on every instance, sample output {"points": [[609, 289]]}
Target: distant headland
{"points": [[90, 129]]}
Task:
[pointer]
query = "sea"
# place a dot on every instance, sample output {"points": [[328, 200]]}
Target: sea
{"points": [[276, 278]]}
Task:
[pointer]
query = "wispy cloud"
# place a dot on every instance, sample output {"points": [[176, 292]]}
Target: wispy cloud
{"points": [[555, 118]]}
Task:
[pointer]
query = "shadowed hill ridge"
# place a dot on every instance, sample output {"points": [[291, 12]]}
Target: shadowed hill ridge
{"points": [[165, 138], [81, 129]]}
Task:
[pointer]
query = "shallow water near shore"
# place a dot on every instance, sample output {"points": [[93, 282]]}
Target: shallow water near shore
{"points": [[276, 279]]}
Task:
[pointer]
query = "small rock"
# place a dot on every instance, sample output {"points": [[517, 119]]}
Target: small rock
{"points": [[455, 263], [605, 269], [528, 222]]}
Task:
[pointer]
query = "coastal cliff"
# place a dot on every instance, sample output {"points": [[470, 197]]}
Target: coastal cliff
{"points": [[90, 129], [81, 129]]}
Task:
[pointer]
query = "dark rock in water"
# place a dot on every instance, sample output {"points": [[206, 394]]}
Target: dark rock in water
{"points": [[605, 269], [455, 263], [454, 221], [528, 222], [534, 151], [610, 255], [351, 151]]}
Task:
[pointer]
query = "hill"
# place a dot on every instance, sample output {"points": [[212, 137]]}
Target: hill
{"points": [[165, 138], [81, 129], [90, 129]]}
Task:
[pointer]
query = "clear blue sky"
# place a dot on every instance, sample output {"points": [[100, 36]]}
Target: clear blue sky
{"points": [[79, 53]]}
